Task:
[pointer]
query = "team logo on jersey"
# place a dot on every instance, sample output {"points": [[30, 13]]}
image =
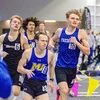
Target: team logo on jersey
{"points": [[71, 45], [9, 46], [39, 60], [17, 46], [25, 89], [65, 40], [40, 67], [32, 45]]}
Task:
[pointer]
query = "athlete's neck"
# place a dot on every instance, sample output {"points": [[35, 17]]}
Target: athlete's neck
{"points": [[30, 32], [13, 33], [42, 31], [39, 52], [70, 30]]}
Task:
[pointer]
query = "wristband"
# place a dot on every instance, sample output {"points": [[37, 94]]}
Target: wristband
{"points": [[51, 79]]}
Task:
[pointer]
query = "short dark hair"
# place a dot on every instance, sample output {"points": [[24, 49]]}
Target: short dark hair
{"points": [[30, 19], [36, 37], [41, 22]]}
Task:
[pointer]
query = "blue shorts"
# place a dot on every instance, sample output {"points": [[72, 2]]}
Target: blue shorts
{"points": [[5, 81]]}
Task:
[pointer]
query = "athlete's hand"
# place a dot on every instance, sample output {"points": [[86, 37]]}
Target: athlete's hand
{"points": [[50, 46], [29, 73], [4, 54], [51, 86], [73, 39]]}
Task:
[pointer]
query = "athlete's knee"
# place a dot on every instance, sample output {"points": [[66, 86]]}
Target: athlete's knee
{"points": [[64, 91], [16, 92]]}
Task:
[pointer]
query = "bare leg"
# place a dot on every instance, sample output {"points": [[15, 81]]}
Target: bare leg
{"points": [[43, 97], [27, 96], [16, 91], [64, 90]]}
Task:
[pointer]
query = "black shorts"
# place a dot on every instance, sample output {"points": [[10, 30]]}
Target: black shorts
{"points": [[16, 79], [35, 87], [65, 75]]}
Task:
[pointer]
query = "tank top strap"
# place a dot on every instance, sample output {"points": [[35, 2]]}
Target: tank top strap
{"points": [[19, 35], [46, 52], [5, 38], [77, 29], [25, 34], [63, 30]]}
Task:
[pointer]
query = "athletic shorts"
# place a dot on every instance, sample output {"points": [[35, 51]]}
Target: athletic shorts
{"points": [[65, 75], [34, 87], [16, 79]]}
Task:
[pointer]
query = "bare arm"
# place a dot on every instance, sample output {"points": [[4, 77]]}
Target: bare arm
{"points": [[55, 38], [22, 63], [51, 71], [51, 67], [2, 38], [25, 44], [83, 37], [3, 53], [25, 57], [85, 47], [48, 33]]}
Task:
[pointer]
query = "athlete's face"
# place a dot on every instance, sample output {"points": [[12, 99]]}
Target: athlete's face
{"points": [[42, 42], [88, 32], [15, 24], [31, 26], [41, 27], [73, 20]]}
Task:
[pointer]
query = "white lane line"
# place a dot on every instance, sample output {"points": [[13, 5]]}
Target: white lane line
{"points": [[90, 96], [86, 92], [95, 94]]}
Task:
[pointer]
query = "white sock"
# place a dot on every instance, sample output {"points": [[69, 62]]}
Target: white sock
{"points": [[15, 97]]}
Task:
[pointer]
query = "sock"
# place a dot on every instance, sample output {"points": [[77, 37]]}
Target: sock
{"points": [[58, 92], [15, 97]]}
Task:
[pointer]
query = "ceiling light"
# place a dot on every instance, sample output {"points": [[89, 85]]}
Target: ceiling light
{"points": [[49, 20]]}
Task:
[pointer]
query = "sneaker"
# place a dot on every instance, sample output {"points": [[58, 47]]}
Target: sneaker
{"points": [[57, 93], [71, 94]]}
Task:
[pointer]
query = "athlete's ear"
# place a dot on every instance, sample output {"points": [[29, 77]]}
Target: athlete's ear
{"points": [[67, 20], [36, 41], [27, 26], [79, 21]]}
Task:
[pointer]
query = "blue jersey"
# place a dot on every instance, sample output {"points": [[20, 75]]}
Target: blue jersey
{"points": [[68, 52], [30, 42], [5, 81], [38, 65]]}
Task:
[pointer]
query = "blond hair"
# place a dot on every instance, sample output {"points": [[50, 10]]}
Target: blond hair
{"points": [[18, 17], [73, 11]]}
